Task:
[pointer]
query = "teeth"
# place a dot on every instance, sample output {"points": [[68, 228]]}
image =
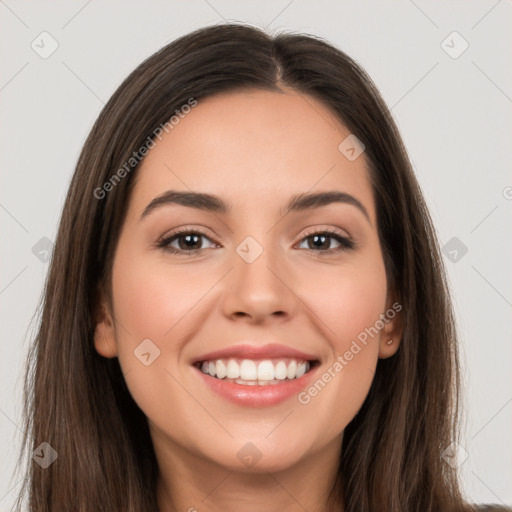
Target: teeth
{"points": [[266, 370], [251, 373], [221, 369], [233, 370], [248, 370], [301, 370], [280, 371], [292, 370]]}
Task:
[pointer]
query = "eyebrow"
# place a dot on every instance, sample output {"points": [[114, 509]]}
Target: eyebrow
{"points": [[211, 203]]}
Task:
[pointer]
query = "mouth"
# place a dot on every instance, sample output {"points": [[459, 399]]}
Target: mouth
{"points": [[256, 372], [251, 375], [256, 383]]}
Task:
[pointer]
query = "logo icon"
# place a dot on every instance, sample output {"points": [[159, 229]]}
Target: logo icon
{"points": [[455, 455], [45, 455], [351, 147], [454, 249], [146, 352], [44, 45], [249, 249], [454, 45], [249, 454], [42, 250]]}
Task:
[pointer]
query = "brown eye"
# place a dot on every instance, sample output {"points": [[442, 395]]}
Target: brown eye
{"points": [[322, 242], [188, 242]]}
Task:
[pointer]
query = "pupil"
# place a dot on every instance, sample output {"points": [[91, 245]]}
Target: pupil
{"points": [[317, 238], [188, 238]]}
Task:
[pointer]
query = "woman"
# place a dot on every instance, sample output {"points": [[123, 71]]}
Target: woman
{"points": [[246, 306]]}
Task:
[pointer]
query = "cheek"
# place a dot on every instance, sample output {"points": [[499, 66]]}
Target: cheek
{"points": [[152, 302], [349, 302], [153, 298]]}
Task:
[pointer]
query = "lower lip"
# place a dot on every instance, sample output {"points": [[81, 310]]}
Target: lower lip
{"points": [[257, 395]]}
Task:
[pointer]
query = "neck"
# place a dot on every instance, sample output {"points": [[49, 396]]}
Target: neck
{"points": [[189, 483]]}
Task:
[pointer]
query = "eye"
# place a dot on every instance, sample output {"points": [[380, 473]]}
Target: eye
{"points": [[188, 241], [320, 242]]}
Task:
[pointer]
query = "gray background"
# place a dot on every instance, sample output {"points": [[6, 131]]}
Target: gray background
{"points": [[455, 115]]}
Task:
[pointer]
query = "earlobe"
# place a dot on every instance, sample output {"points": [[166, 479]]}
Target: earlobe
{"points": [[104, 332], [105, 344], [391, 335], [388, 347]]}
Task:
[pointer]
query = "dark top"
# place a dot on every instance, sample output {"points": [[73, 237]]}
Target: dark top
{"points": [[494, 508]]}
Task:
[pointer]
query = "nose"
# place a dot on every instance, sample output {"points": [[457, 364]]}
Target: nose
{"points": [[259, 291]]}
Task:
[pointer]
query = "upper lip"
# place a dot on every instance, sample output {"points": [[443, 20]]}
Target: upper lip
{"points": [[248, 351]]}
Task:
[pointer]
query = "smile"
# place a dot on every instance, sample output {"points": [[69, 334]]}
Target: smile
{"points": [[247, 391], [250, 372]]}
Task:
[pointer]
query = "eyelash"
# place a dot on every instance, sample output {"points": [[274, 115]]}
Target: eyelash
{"points": [[346, 243]]}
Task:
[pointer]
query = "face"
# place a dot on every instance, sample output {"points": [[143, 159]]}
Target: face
{"points": [[256, 290]]}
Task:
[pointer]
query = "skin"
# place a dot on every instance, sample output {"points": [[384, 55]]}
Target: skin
{"points": [[255, 150]]}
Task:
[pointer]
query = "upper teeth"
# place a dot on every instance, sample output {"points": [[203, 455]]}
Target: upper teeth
{"points": [[250, 370]]}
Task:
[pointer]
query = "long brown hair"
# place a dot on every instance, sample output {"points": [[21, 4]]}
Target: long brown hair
{"points": [[77, 401]]}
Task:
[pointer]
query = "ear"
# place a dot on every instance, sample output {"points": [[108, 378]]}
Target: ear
{"points": [[391, 333], [104, 332]]}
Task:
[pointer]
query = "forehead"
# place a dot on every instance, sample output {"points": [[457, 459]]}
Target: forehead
{"points": [[254, 148]]}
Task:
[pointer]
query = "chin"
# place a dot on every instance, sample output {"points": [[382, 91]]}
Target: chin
{"points": [[259, 456]]}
